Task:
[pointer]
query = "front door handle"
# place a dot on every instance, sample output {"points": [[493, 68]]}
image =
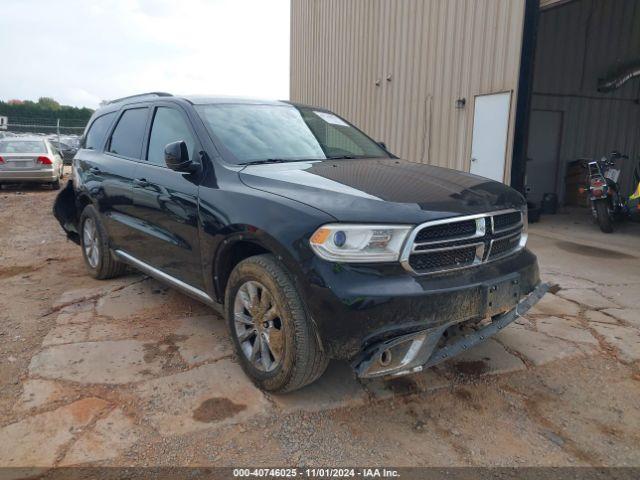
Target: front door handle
{"points": [[141, 182], [95, 170]]}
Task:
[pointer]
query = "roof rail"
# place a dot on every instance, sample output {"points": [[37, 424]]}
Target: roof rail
{"points": [[155, 94]]}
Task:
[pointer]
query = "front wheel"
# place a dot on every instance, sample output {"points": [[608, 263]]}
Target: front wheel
{"points": [[272, 333], [603, 217]]}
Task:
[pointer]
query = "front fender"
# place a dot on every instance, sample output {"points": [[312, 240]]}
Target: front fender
{"points": [[238, 214], [255, 236]]}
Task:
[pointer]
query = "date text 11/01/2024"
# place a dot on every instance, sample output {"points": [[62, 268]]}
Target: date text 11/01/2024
{"points": [[316, 472]]}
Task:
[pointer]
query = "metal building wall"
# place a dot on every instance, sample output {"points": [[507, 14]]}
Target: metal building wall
{"points": [[396, 67], [578, 43]]}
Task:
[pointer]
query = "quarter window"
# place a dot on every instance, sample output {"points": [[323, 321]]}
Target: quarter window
{"points": [[97, 131], [126, 139], [168, 126]]}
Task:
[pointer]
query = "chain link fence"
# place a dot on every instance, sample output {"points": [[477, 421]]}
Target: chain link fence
{"points": [[44, 125], [64, 133]]}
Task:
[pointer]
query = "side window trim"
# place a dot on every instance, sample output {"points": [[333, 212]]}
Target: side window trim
{"points": [[152, 116], [107, 134], [114, 125]]}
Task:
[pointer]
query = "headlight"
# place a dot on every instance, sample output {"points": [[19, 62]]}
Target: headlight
{"points": [[525, 226], [359, 243]]}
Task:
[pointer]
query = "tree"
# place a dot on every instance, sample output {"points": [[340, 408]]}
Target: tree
{"points": [[42, 116], [48, 103]]}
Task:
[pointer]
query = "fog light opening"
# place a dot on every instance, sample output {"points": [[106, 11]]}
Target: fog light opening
{"points": [[385, 358]]}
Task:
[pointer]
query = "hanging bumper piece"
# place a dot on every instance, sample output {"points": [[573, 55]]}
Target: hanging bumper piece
{"points": [[416, 351]]}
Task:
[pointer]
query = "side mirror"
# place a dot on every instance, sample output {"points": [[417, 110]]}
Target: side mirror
{"points": [[176, 156], [383, 145]]}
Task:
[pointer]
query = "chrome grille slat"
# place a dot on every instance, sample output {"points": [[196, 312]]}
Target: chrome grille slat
{"points": [[492, 239]]}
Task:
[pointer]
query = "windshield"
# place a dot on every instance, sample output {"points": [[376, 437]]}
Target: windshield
{"points": [[254, 133], [22, 146]]}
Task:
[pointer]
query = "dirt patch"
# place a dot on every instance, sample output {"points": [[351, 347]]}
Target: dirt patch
{"points": [[402, 386], [7, 272], [608, 430], [555, 288], [589, 251], [473, 368], [216, 409], [165, 350]]}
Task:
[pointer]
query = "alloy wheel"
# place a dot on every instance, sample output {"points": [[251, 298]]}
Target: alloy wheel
{"points": [[258, 326], [90, 242]]}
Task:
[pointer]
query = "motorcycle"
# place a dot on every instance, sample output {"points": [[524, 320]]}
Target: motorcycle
{"points": [[604, 193]]}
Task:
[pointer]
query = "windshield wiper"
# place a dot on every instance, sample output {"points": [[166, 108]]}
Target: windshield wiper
{"points": [[285, 160], [266, 160], [281, 160]]}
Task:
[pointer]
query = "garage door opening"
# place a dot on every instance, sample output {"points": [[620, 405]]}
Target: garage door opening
{"points": [[584, 98]]}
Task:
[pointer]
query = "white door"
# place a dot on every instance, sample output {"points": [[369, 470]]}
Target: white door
{"points": [[542, 152], [490, 130]]}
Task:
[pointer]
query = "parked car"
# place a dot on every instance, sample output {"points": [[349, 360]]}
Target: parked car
{"points": [[29, 160], [66, 150], [313, 240]]}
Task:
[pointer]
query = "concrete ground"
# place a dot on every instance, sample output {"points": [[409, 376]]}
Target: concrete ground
{"points": [[129, 372]]}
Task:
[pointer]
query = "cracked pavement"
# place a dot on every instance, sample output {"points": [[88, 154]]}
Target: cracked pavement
{"points": [[130, 372]]}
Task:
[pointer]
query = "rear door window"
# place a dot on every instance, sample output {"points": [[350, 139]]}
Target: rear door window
{"points": [[168, 126], [97, 131], [126, 139]]}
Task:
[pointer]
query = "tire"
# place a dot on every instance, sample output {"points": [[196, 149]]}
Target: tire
{"points": [[100, 262], [604, 219], [56, 184], [294, 357]]}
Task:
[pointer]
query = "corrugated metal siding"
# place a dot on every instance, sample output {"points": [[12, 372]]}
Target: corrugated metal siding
{"points": [[579, 43], [434, 51]]}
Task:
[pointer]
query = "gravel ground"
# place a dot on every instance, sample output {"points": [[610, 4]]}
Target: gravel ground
{"points": [[580, 410]]}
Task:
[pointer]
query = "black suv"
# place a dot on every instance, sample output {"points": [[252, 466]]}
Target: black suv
{"points": [[313, 239]]}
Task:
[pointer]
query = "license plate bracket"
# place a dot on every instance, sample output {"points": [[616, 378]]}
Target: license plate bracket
{"points": [[21, 164], [502, 295]]}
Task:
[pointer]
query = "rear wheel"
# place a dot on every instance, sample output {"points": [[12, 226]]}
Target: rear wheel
{"points": [[55, 185], [603, 216], [95, 247], [272, 333]]}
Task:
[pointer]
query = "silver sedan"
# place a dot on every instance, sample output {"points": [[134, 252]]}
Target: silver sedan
{"points": [[30, 159]]}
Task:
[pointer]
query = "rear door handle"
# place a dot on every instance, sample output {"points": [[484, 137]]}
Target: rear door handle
{"points": [[95, 170], [141, 182]]}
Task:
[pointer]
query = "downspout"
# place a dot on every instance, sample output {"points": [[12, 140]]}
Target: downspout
{"points": [[525, 87], [616, 81]]}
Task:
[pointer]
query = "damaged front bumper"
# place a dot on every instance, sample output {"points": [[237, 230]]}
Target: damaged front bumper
{"points": [[416, 351]]}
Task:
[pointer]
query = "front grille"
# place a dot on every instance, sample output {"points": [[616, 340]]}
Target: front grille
{"points": [[463, 242], [506, 220], [504, 245], [446, 230], [425, 262]]}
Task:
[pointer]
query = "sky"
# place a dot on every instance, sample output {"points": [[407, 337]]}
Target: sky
{"points": [[83, 51]]}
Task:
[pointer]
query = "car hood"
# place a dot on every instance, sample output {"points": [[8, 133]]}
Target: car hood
{"points": [[382, 190]]}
